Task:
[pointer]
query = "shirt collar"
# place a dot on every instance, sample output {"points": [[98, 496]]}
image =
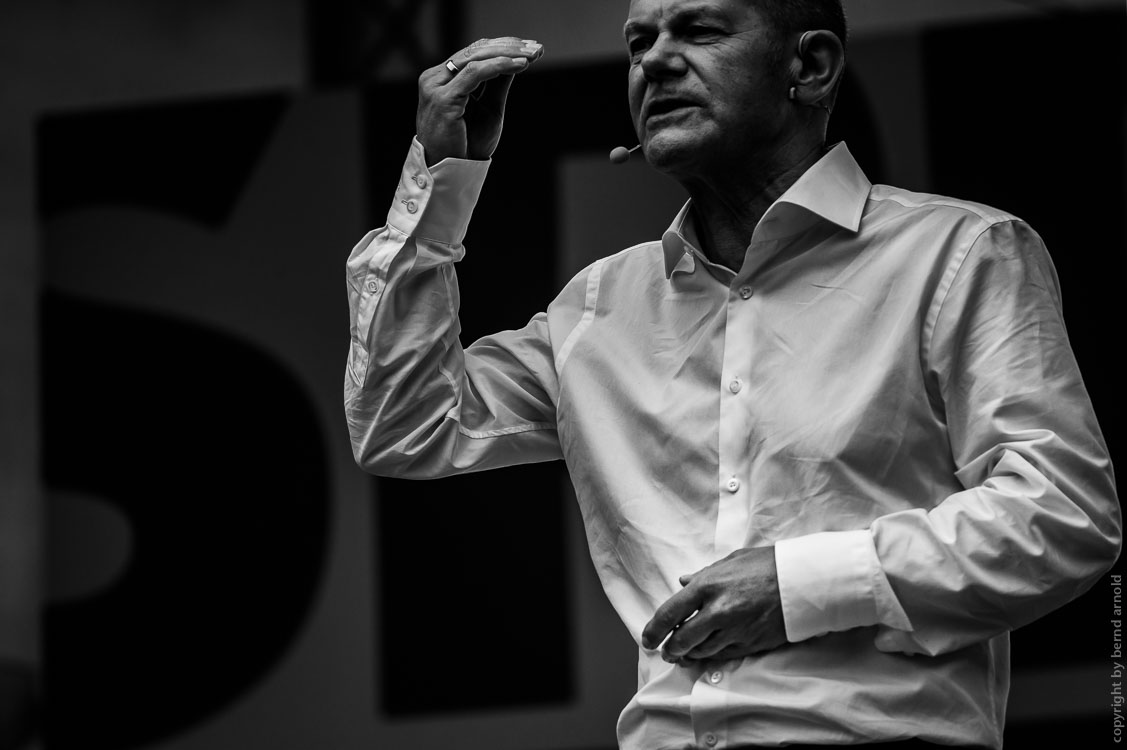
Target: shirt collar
{"points": [[834, 188], [678, 242]]}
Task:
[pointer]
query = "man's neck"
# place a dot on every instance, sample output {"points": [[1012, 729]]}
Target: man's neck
{"points": [[726, 211]]}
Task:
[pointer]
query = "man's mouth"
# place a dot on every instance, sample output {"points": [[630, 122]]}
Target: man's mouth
{"points": [[667, 106]]}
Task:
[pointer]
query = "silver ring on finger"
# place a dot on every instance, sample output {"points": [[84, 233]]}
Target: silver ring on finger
{"points": [[452, 67]]}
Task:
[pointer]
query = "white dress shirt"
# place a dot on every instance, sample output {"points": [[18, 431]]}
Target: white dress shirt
{"points": [[884, 392]]}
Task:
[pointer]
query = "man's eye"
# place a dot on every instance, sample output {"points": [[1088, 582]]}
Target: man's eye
{"points": [[637, 46], [699, 31]]}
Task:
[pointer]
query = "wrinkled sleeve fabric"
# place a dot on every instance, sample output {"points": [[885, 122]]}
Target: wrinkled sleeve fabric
{"points": [[417, 404], [1038, 520]]}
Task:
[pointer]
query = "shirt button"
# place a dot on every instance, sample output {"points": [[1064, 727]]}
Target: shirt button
{"points": [[733, 484], [421, 180], [710, 739], [745, 292], [735, 385], [412, 207], [715, 677], [373, 286]]}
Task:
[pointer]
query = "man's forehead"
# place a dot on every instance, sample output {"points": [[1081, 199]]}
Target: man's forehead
{"points": [[651, 11]]}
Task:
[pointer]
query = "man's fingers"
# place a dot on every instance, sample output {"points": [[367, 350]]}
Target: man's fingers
{"points": [[505, 46], [669, 615], [494, 92], [462, 100], [711, 647], [520, 52], [693, 633], [478, 72]]}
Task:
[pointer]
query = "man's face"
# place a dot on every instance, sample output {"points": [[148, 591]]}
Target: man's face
{"points": [[705, 92]]}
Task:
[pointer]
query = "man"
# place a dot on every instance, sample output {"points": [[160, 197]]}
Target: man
{"points": [[829, 440]]}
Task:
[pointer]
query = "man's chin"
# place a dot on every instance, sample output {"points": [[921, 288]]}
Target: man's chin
{"points": [[672, 152]]}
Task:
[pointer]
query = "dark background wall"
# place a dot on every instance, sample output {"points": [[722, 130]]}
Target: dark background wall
{"points": [[215, 571]]}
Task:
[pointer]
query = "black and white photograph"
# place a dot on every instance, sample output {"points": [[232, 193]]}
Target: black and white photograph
{"points": [[542, 375]]}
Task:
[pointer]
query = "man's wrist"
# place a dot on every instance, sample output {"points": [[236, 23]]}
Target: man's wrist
{"points": [[436, 203]]}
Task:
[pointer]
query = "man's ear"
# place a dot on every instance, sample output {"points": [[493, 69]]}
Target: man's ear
{"points": [[820, 61]]}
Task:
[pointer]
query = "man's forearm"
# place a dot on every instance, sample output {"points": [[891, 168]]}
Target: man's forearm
{"points": [[403, 303]]}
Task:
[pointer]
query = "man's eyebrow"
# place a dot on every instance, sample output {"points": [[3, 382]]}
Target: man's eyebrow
{"points": [[632, 26]]}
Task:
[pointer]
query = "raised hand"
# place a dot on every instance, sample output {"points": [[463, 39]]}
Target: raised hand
{"points": [[462, 101]]}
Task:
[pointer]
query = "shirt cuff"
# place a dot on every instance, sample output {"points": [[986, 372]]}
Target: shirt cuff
{"points": [[833, 581], [436, 203]]}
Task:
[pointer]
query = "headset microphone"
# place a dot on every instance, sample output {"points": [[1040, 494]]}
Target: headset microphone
{"points": [[621, 154]]}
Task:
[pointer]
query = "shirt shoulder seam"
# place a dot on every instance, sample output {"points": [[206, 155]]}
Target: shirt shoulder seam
{"points": [[503, 431], [989, 215], [954, 268], [591, 296]]}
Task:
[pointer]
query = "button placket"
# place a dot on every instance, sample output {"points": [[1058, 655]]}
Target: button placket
{"points": [[734, 501]]}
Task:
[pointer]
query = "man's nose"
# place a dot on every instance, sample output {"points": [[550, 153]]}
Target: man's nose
{"points": [[663, 59]]}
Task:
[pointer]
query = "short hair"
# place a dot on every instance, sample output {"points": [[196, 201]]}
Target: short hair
{"points": [[790, 17]]}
